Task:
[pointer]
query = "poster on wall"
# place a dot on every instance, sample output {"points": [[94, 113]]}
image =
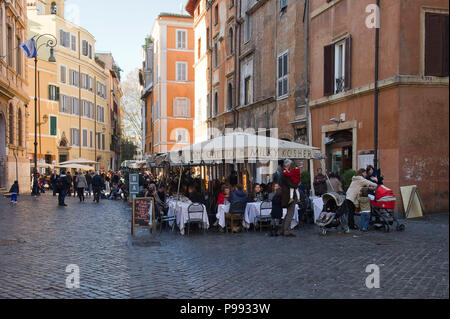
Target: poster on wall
{"points": [[365, 160]]}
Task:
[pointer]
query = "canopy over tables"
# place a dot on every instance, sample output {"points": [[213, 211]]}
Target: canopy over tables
{"points": [[76, 166], [80, 161], [43, 165], [240, 147]]}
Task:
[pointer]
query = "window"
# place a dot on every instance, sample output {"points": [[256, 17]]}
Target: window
{"points": [[230, 96], [436, 44], [11, 124], [181, 39], [74, 78], [103, 141], [337, 67], [85, 48], [19, 127], [101, 90], [74, 43], [157, 110], [100, 114], [10, 46], [53, 125], [199, 48], [62, 74], [216, 103], [283, 74], [181, 135], [216, 14], [65, 104], [230, 41], [18, 57], [247, 28], [283, 4], [247, 90], [53, 8], [53, 93], [74, 137], [75, 106], [208, 42], [181, 68], [85, 138], [90, 138], [64, 38], [90, 51], [98, 141], [181, 107], [216, 53]]}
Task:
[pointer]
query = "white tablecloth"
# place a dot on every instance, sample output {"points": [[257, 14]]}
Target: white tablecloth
{"points": [[251, 211], [317, 205], [180, 211]]}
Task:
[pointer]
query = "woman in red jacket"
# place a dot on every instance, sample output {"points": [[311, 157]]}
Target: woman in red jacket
{"points": [[224, 195]]}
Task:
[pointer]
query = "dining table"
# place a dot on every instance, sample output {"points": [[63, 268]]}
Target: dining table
{"points": [[252, 210], [179, 208]]}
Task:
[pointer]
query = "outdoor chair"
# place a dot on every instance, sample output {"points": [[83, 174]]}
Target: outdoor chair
{"points": [[167, 219], [264, 214], [236, 213], [195, 216]]}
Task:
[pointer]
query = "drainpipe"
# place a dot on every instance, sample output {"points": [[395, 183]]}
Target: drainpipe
{"points": [[377, 47], [308, 113], [210, 4]]}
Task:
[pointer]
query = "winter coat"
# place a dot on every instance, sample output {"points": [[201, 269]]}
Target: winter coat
{"points": [[286, 185], [358, 182], [320, 184], [364, 203], [14, 188], [81, 181], [97, 181], [237, 196], [277, 209]]}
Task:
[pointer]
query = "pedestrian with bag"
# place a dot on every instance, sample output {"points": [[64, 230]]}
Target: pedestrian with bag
{"points": [[81, 183]]}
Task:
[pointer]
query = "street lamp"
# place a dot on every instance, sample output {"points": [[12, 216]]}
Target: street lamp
{"points": [[50, 43]]}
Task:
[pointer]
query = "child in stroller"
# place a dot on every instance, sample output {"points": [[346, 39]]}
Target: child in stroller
{"points": [[383, 205], [333, 213]]}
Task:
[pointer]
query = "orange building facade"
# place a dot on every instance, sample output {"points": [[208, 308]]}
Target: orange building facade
{"points": [[169, 94]]}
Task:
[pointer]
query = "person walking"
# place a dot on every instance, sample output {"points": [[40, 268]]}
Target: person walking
{"points": [[81, 185], [89, 182], [97, 185], [53, 179], [63, 184], [14, 192], [286, 185]]}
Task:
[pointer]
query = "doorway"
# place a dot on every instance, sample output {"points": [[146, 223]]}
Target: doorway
{"points": [[339, 151], [2, 151]]}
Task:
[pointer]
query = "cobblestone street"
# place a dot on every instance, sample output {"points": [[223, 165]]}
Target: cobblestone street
{"points": [[38, 240]]}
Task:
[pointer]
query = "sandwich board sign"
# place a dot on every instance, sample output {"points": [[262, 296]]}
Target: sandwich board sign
{"points": [[143, 214], [134, 185], [412, 202]]}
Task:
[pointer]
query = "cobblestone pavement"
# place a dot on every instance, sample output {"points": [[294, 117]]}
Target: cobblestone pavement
{"points": [[38, 240]]}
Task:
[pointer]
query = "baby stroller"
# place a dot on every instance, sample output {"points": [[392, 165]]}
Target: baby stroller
{"points": [[332, 212], [383, 205]]}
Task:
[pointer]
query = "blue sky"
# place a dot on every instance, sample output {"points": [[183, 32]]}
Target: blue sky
{"points": [[120, 26]]}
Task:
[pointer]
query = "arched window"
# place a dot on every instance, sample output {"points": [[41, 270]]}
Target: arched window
{"points": [[11, 125], [230, 41], [19, 127], [53, 8], [230, 96]]}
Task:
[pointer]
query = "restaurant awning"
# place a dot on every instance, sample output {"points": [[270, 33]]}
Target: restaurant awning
{"points": [[75, 166], [242, 146], [80, 161]]}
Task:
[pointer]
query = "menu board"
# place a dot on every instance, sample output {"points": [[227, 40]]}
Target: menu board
{"points": [[143, 213]]}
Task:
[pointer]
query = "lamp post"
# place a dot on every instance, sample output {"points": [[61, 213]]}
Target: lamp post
{"points": [[50, 43]]}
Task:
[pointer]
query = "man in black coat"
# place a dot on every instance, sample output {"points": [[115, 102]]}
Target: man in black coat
{"points": [[63, 183], [53, 179], [286, 185]]}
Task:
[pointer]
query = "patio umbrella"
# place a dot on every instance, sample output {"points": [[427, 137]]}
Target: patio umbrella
{"points": [[76, 166], [43, 165]]}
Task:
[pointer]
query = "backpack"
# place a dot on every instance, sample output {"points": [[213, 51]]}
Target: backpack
{"points": [[60, 182]]}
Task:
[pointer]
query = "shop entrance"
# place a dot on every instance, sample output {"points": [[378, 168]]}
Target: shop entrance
{"points": [[339, 151]]}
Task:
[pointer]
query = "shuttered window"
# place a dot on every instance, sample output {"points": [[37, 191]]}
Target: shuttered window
{"points": [[436, 44], [53, 93], [337, 67], [85, 138], [181, 107], [181, 69], [283, 74], [75, 106], [53, 125], [181, 39], [74, 43], [63, 74]]}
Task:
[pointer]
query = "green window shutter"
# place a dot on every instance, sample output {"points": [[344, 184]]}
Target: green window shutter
{"points": [[53, 125], [50, 92], [57, 94]]}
